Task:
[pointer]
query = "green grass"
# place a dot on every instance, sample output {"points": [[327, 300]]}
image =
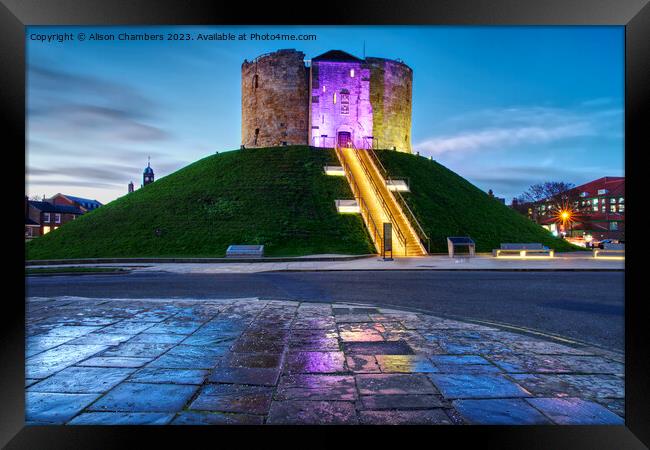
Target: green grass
{"points": [[446, 204], [281, 198], [48, 270], [278, 197]]}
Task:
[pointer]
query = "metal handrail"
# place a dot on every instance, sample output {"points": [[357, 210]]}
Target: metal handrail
{"points": [[363, 206], [400, 234], [401, 201]]}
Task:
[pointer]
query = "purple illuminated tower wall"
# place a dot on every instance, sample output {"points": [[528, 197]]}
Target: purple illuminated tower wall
{"points": [[340, 101], [337, 98]]}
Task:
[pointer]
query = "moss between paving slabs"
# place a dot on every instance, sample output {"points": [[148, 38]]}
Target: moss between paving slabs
{"points": [[279, 197], [446, 204]]}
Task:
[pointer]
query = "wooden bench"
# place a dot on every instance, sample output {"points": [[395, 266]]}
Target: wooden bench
{"points": [[610, 250], [245, 251], [522, 250]]}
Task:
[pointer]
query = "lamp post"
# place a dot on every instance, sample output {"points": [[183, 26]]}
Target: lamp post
{"points": [[565, 216]]}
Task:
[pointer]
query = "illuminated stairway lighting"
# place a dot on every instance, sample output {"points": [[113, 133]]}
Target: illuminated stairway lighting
{"points": [[381, 206]]}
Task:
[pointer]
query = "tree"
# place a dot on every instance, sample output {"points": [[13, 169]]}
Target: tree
{"points": [[557, 196]]}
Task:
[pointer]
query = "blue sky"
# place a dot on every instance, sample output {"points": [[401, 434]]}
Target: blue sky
{"points": [[505, 107]]}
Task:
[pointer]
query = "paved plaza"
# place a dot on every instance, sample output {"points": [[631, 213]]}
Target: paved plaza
{"points": [[251, 361], [562, 261]]}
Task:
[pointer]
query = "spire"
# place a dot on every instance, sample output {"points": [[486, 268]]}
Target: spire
{"points": [[147, 174]]}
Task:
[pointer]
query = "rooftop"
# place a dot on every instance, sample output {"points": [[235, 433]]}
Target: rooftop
{"points": [[336, 55], [49, 207]]}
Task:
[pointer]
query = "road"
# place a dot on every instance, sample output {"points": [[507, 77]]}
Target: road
{"points": [[584, 306]]}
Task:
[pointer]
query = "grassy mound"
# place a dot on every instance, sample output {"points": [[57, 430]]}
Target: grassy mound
{"points": [[278, 197], [446, 204]]}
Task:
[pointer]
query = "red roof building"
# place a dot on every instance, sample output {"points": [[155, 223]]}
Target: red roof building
{"points": [[599, 210]]}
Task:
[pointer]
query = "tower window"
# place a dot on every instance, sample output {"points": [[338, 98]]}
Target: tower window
{"points": [[352, 73], [324, 89], [255, 81], [334, 98], [257, 133], [345, 103]]}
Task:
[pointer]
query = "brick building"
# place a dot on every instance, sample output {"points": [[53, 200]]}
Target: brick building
{"points": [[599, 210], [83, 204], [49, 216], [41, 217], [334, 97]]}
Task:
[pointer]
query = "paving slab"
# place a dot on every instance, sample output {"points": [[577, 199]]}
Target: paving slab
{"points": [[55, 408], [82, 380], [137, 350], [115, 361], [575, 411], [101, 338], [314, 362], [245, 375], [145, 397], [301, 412], [405, 364], [402, 402], [425, 417], [233, 398], [378, 348], [397, 383], [58, 358], [316, 387], [117, 418], [476, 386], [215, 418], [500, 412], [256, 361], [573, 385], [363, 364], [166, 376]]}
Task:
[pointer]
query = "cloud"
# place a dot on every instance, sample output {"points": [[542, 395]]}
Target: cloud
{"points": [[101, 173], [521, 126], [500, 137], [93, 88], [62, 105], [54, 184]]}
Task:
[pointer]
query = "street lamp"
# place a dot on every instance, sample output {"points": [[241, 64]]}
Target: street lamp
{"points": [[565, 215]]}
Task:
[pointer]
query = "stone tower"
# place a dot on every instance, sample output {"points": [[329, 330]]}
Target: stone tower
{"points": [[338, 98], [391, 91], [275, 93]]}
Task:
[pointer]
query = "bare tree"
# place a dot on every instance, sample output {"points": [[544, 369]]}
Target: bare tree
{"points": [[556, 195]]}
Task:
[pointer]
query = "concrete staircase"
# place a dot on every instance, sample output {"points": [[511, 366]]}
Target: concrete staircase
{"points": [[378, 204]]}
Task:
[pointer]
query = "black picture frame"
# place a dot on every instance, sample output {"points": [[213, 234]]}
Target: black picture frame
{"points": [[633, 14]]}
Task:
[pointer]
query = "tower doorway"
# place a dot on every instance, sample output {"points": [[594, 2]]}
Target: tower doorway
{"points": [[344, 139]]}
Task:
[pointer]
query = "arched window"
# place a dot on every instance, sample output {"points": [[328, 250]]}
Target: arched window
{"points": [[255, 81]]}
